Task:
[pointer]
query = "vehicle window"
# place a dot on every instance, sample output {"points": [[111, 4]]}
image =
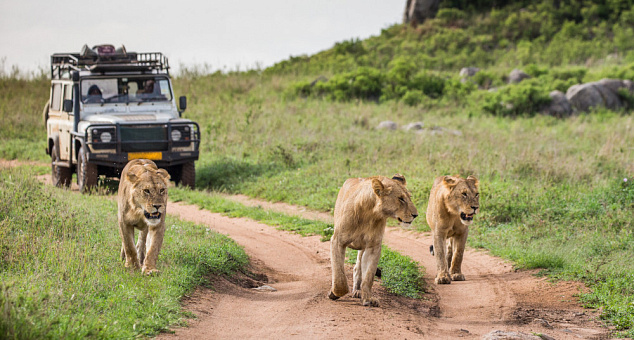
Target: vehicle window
{"points": [[125, 89], [68, 91], [56, 97]]}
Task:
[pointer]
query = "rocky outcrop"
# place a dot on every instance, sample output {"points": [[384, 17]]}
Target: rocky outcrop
{"points": [[415, 126], [559, 106], [517, 76], [467, 72], [603, 93], [417, 11], [387, 125]]}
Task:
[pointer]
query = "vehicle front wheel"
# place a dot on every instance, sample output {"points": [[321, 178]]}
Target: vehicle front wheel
{"points": [[61, 175], [188, 175], [87, 174]]}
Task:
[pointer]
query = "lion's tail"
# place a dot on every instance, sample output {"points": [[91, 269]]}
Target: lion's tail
{"points": [[431, 250]]}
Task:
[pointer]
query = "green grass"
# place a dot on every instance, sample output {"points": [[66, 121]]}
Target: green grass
{"points": [[400, 274], [550, 187], [61, 273], [216, 203]]}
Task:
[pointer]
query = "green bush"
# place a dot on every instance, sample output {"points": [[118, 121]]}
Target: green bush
{"points": [[523, 99]]}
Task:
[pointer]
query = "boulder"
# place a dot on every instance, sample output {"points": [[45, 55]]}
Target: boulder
{"points": [[387, 125], [602, 93], [517, 76], [468, 71], [417, 11], [559, 106], [414, 126]]}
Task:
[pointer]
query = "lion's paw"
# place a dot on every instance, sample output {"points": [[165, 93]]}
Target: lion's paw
{"points": [[150, 271], [443, 280], [371, 302], [356, 294], [457, 277], [332, 296]]}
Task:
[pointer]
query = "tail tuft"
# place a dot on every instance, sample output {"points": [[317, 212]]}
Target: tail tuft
{"points": [[431, 250]]}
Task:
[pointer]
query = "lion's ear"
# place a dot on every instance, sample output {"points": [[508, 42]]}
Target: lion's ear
{"points": [[450, 181], [163, 173], [131, 177], [399, 178], [475, 181], [378, 187]]}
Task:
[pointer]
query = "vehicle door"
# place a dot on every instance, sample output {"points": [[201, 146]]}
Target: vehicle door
{"points": [[66, 124]]}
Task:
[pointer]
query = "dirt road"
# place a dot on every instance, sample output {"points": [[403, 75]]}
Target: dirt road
{"points": [[494, 297]]}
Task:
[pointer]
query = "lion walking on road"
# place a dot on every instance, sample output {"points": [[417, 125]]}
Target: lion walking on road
{"points": [[142, 204], [362, 208], [453, 201]]}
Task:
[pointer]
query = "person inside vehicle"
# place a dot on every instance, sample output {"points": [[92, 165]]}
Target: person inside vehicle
{"points": [[147, 91], [94, 95]]}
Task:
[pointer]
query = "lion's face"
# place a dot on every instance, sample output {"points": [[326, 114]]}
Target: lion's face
{"points": [[464, 197], [396, 200], [149, 192]]}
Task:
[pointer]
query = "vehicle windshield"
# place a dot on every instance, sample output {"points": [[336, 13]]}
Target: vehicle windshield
{"points": [[125, 90]]}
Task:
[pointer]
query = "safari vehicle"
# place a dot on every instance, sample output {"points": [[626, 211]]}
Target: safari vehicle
{"points": [[108, 106]]}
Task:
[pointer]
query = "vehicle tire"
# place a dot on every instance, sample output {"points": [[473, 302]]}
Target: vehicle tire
{"points": [[87, 174], [188, 175], [61, 175]]}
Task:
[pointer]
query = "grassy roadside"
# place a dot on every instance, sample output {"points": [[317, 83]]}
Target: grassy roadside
{"points": [[61, 276], [400, 274]]}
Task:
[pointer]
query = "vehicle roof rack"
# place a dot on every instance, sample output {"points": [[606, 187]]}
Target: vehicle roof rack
{"points": [[105, 58]]}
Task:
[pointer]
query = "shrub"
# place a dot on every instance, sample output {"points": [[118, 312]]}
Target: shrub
{"points": [[523, 99]]}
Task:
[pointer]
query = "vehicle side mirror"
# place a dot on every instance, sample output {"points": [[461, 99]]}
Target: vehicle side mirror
{"points": [[182, 104], [67, 106]]}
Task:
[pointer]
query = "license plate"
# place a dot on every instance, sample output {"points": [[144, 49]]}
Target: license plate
{"points": [[147, 155]]}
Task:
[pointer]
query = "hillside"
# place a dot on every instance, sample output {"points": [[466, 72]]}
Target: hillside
{"points": [[553, 190]]}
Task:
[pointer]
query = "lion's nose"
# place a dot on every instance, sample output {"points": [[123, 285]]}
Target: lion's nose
{"points": [[156, 206], [414, 215], [474, 208]]}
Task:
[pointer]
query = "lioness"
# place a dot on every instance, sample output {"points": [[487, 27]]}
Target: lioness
{"points": [[142, 202], [452, 203], [363, 205]]}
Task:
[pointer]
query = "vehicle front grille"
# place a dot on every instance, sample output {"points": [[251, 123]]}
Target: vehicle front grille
{"points": [[135, 139]]}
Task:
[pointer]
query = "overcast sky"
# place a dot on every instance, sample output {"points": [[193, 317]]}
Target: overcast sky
{"points": [[225, 35]]}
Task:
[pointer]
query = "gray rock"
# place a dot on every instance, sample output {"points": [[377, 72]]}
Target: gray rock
{"points": [[559, 106], [417, 11], [414, 126], [603, 93], [387, 125], [469, 71], [502, 335], [517, 76]]}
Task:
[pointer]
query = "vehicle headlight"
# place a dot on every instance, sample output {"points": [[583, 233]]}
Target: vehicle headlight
{"points": [[176, 135], [105, 137]]}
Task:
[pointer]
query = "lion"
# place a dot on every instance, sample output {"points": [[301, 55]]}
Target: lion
{"points": [[142, 202], [361, 210], [453, 202]]}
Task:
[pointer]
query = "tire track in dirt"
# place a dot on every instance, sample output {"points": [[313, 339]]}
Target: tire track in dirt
{"points": [[494, 297], [299, 268]]}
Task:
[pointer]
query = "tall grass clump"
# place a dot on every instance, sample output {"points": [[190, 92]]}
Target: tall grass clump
{"points": [[61, 273]]}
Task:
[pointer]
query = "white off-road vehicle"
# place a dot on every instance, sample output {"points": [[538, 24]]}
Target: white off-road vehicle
{"points": [[108, 106]]}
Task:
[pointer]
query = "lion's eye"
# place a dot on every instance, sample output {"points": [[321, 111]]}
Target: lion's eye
{"points": [[402, 200], [146, 191], [477, 194], [464, 194], [162, 191]]}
